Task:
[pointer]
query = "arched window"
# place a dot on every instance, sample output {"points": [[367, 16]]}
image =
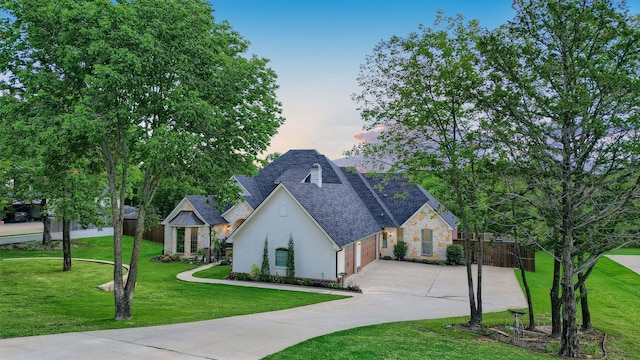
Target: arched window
{"points": [[281, 257]]}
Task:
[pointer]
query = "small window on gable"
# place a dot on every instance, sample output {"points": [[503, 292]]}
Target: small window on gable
{"points": [[427, 242], [283, 210], [281, 257]]}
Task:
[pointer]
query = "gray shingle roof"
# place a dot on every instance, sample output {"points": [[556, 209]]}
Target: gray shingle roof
{"points": [[251, 186], [205, 206], [403, 199], [338, 210], [376, 207], [349, 206], [186, 218], [269, 177]]}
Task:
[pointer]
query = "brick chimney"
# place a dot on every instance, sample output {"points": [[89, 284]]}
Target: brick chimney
{"points": [[316, 174]]}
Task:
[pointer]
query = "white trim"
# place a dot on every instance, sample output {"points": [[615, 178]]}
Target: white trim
{"points": [[176, 210], [245, 192], [432, 209]]}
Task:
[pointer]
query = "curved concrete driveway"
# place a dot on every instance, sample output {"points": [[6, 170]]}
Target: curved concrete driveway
{"points": [[392, 291]]}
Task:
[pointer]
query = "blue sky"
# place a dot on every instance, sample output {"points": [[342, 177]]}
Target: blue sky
{"points": [[316, 48]]}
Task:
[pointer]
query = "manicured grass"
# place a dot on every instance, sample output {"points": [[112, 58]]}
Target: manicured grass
{"points": [[614, 300], [36, 297], [216, 272], [404, 340]]}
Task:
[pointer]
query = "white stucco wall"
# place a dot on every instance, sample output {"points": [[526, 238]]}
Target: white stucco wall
{"points": [[278, 217]]}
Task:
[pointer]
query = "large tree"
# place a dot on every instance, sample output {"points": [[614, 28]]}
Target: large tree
{"points": [[567, 91], [156, 84], [45, 168], [421, 92]]}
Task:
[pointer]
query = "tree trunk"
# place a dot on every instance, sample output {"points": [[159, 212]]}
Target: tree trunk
{"points": [[125, 299], [523, 275], [122, 304], [46, 224], [479, 289], [570, 343], [132, 276], [584, 304], [66, 243], [556, 301], [473, 320], [117, 175]]}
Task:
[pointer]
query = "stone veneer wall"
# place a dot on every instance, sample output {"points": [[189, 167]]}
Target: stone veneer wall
{"points": [[426, 218]]}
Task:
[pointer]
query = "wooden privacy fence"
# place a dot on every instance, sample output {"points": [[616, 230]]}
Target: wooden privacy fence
{"points": [[155, 234], [502, 254]]}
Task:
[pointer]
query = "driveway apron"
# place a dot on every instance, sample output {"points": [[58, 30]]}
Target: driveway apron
{"points": [[392, 291], [631, 262]]}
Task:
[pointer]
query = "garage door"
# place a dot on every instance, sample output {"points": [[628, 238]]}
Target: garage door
{"points": [[367, 251]]}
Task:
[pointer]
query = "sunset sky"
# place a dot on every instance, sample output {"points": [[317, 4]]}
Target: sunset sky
{"points": [[316, 48]]}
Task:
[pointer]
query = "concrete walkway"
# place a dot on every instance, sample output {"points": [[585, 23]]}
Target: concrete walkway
{"points": [[392, 291], [631, 262]]}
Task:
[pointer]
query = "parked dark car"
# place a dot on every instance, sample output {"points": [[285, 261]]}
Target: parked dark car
{"points": [[21, 216]]}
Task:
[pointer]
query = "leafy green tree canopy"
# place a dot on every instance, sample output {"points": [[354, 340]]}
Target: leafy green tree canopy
{"points": [[566, 89], [156, 84]]}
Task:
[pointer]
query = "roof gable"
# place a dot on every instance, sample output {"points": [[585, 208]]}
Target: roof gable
{"points": [[337, 209], [261, 208], [205, 207], [294, 166], [393, 199], [186, 218], [253, 196]]}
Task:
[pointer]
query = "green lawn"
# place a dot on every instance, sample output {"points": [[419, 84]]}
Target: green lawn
{"points": [[36, 297], [405, 340], [614, 298], [216, 272]]}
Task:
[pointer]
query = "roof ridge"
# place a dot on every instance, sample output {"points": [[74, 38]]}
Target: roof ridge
{"points": [[382, 204]]}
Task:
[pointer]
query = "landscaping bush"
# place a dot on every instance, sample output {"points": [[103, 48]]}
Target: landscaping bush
{"points": [[265, 270], [255, 272], [291, 261], [400, 250], [386, 257], [455, 254]]}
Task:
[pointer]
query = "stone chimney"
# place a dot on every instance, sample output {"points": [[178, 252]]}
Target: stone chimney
{"points": [[316, 174]]}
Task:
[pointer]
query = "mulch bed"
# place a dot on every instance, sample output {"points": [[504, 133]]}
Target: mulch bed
{"points": [[593, 342]]}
